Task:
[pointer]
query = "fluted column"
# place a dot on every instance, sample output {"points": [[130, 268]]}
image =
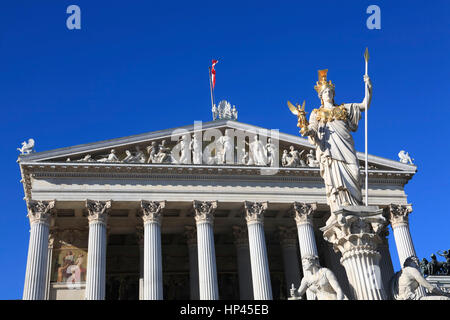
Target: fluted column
{"points": [[207, 269], [191, 240], [243, 261], [51, 242], [140, 241], [96, 263], [355, 234], [288, 242], [262, 288], [398, 215], [153, 282], [303, 214], [39, 213]]}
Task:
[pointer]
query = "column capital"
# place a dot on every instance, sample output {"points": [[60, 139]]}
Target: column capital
{"points": [[98, 210], [152, 211], [355, 232], [254, 211], [40, 211], [287, 236], [303, 212], [190, 232], [398, 214], [240, 234], [204, 210]]}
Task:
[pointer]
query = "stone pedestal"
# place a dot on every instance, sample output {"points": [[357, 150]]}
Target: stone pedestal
{"points": [[354, 232], [96, 263], [153, 279], [243, 261], [303, 214], [191, 239], [207, 270], [262, 288], [398, 215], [39, 213]]}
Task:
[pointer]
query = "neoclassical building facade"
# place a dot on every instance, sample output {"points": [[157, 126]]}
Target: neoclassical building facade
{"points": [[215, 210]]}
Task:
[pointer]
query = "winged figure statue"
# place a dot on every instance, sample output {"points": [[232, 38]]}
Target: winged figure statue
{"points": [[299, 111]]}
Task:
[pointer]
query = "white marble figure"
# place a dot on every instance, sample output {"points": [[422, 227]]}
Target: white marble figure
{"points": [[111, 157], [224, 111], [196, 147], [86, 158], [184, 149], [329, 130], [224, 149], [257, 152], [320, 281], [163, 155], [405, 282], [152, 150], [215, 112], [404, 157], [292, 158], [27, 147], [136, 157], [311, 159], [271, 152]]}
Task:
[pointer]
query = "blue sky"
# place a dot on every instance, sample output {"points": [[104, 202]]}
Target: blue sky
{"points": [[139, 66]]}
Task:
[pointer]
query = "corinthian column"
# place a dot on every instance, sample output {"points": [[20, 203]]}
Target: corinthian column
{"points": [[39, 213], [96, 263], [262, 288], [191, 239], [400, 226], [243, 260], [303, 214], [153, 284], [288, 242], [207, 270], [140, 241], [354, 232]]}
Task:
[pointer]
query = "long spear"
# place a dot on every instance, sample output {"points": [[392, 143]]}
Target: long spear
{"points": [[366, 57]]}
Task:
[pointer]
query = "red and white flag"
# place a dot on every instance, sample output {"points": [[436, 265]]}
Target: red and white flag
{"points": [[213, 73]]}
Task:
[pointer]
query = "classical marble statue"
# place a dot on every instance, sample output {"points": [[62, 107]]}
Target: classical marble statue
{"points": [[311, 159], [405, 282], [215, 112], [184, 148], [152, 150], [424, 267], [329, 129], [404, 157], [257, 152], [27, 147], [234, 113], [136, 157], [271, 152], [320, 281], [225, 147], [196, 148], [111, 157], [86, 158], [292, 158], [163, 154]]}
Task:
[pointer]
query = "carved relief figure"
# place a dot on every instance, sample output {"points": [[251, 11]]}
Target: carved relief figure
{"points": [[111, 157], [152, 150], [311, 159], [404, 157], [257, 152], [196, 147], [271, 152], [163, 155], [225, 149]]}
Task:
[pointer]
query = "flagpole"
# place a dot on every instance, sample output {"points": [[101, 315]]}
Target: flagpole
{"points": [[366, 58], [211, 88]]}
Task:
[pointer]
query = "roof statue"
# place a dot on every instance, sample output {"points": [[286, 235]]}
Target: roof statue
{"points": [[404, 157], [224, 111], [27, 147]]}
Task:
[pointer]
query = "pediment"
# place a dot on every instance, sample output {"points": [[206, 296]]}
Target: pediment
{"points": [[164, 147]]}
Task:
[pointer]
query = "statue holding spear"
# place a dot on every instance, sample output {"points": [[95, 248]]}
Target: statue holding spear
{"points": [[329, 130]]}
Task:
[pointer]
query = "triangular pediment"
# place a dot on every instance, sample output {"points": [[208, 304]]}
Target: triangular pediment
{"points": [[149, 148]]}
